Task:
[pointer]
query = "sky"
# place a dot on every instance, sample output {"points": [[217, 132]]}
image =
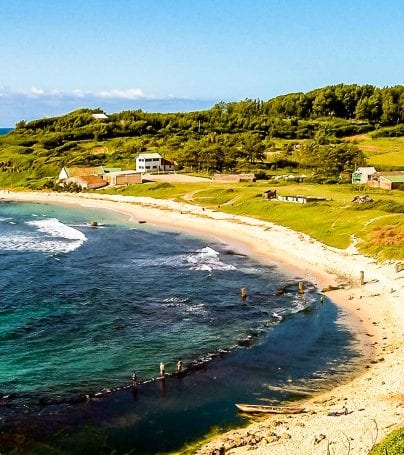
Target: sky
{"points": [[181, 55]]}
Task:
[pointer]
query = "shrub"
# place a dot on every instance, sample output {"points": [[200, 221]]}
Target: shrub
{"points": [[392, 445], [385, 206]]}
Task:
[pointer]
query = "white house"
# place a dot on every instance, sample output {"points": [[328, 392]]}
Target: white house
{"points": [[153, 162], [363, 175]]}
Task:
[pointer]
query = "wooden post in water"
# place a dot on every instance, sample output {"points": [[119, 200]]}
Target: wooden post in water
{"points": [[243, 293], [362, 277], [301, 287]]}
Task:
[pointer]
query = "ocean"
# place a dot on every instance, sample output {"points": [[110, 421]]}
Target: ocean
{"points": [[82, 307], [5, 130]]}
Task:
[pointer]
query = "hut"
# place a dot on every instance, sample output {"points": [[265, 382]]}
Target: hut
{"points": [[123, 177]]}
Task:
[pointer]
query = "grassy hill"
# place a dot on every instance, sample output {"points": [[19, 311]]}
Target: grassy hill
{"points": [[381, 152]]}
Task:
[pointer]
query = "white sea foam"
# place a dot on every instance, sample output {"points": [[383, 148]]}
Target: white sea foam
{"points": [[50, 236], [55, 228], [207, 259]]}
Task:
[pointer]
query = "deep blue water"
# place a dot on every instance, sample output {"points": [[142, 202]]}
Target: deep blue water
{"points": [[80, 308], [5, 130]]}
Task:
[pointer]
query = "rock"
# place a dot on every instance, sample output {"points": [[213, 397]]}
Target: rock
{"points": [[271, 439], [319, 438], [228, 445]]}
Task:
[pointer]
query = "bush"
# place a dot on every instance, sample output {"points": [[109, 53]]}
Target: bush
{"points": [[392, 131], [160, 186], [392, 445], [385, 206]]}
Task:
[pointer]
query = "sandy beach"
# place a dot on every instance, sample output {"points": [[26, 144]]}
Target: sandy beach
{"points": [[374, 399]]}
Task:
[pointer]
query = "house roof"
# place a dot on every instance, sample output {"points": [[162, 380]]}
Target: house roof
{"points": [[111, 169], [100, 116], [387, 173], [149, 155], [394, 178], [365, 170], [128, 172], [82, 171]]}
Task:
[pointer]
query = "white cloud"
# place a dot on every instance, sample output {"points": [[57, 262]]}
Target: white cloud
{"points": [[35, 102], [36, 92], [129, 94], [32, 92]]}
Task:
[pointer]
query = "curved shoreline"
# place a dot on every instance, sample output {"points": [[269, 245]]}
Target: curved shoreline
{"points": [[373, 398]]}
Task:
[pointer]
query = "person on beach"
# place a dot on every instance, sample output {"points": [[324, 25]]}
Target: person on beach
{"points": [[162, 370], [321, 300], [134, 378], [179, 366]]}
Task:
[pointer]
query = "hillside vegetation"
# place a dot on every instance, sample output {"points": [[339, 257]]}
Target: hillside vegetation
{"points": [[295, 130], [323, 134]]}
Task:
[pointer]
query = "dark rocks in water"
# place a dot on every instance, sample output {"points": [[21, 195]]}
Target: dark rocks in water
{"points": [[234, 253], [94, 224], [141, 221], [248, 341], [293, 287]]}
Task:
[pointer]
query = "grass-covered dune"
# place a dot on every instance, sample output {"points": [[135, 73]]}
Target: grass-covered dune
{"points": [[377, 226]]}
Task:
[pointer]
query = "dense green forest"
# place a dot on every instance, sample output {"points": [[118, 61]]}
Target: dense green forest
{"points": [[299, 130]]}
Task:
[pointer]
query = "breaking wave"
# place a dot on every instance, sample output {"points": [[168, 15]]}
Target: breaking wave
{"points": [[208, 259], [49, 236]]}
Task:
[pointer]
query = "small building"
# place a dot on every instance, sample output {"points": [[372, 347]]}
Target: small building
{"points": [[387, 180], [68, 172], [299, 199], [107, 170], [100, 116], [235, 177], [391, 182], [269, 194], [87, 182], [363, 175], [123, 177], [153, 162]]}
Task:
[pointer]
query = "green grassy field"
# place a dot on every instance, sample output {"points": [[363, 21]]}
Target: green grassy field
{"points": [[381, 152], [332, 222]]}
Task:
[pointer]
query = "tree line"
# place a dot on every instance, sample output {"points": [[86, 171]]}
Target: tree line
{"points": [[295, 115], [234, 136]]}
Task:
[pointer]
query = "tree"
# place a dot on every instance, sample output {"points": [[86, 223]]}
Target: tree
{"points": [[252, 147]]}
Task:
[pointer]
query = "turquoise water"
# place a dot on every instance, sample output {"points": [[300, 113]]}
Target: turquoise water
{"points": [[81, 307]]}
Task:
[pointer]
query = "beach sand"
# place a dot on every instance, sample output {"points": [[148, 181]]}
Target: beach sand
{"points": [[374, 399]]}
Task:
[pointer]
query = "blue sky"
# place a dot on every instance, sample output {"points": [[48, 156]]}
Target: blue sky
{"points": [[168, 55]]}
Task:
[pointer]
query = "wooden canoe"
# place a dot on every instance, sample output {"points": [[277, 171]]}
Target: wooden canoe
{"points": [[262, 409]]}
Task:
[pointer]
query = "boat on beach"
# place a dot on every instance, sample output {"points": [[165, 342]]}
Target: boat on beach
{"points": [[264, 409]]}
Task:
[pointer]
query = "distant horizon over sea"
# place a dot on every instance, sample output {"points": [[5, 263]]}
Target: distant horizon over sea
{"points": [[5, 130]]}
